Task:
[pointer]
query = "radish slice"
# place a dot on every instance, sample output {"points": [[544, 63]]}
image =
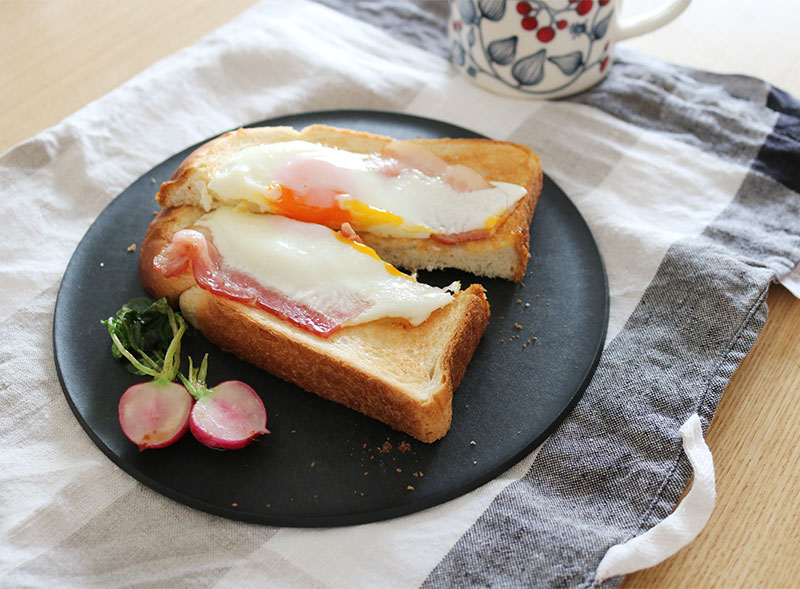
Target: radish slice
{"points": [[229, 416], [155, 414]]}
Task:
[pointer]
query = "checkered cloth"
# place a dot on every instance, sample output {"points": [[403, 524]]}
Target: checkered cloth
{"points": [[687, 179]]}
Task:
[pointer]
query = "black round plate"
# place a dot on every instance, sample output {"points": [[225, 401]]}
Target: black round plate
{"points": [[323, 464]]}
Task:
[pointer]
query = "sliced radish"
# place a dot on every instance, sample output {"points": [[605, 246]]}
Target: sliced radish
{"points": [[228, 416], [155, 414]]}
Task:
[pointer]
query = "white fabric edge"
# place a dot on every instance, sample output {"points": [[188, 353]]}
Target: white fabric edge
{"points": [[791, 281], [680, 527]]}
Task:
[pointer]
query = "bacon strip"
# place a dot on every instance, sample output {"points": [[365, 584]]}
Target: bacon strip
{"points": [[407, 154], [194, 247]]}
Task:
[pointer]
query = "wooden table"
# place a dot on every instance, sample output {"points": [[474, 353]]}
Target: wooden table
{"points": [[58, 55]]}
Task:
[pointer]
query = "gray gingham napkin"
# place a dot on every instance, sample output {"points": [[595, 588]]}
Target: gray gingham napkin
{"points": [[687, 179]]}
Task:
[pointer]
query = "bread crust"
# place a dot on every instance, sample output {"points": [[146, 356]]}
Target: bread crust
{"points": [[505, 254], [400, 374], [332, 369]]}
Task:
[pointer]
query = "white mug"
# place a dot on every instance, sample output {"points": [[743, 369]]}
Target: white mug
{"points": [[543, 48]]}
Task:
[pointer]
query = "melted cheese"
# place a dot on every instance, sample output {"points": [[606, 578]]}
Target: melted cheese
{"points": [[320, 184], [317, 267]]}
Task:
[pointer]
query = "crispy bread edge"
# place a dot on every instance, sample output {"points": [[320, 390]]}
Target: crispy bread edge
{"points": [[270, 344]]}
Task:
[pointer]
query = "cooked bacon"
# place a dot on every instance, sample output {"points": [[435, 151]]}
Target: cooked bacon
{"points": [[414, 156], [195, 247], [410, 155], [464, 179], [348, 232]]}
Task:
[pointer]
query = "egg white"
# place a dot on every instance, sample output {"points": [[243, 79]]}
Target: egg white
{"points": [[424, 204], [311, 265]]}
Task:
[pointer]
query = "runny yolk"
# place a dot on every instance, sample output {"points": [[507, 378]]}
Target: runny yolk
{"points": [[365, 249], [317, 205], [322, 206]]}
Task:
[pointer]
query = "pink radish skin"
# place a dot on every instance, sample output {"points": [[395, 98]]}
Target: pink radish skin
{"points": [[155, 414], [229, 416]]}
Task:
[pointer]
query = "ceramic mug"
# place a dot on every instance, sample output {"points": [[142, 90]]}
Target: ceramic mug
{"points": [[543, 48]]}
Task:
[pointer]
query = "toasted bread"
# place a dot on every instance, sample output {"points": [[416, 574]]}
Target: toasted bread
{"points": [[400, 374], [504, 254]]}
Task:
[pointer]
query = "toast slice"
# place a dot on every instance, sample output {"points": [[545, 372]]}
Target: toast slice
{"points": [[504, 254], [400, 374]]}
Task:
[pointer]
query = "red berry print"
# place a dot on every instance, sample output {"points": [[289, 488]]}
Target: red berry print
{"points": [[457, 25], [584, 6], [546, 34], [529, 23], [604, 64], [523, 7], [573, 1], [603, 2], [562, 24]]}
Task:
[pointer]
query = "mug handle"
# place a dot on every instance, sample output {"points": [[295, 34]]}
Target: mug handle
{"points": [[650, 20]]}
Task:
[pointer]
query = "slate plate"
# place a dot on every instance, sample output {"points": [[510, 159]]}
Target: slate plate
{"points": [[324, 465]]}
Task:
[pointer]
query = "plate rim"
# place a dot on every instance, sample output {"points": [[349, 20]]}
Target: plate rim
{"points": [[351, 518]]}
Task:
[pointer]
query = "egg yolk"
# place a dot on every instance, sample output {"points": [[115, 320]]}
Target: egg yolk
{"points": [[317, 205], [324, 207], [366, 250]]}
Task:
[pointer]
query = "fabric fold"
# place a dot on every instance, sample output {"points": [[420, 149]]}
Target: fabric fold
{"points": [[694, 216], [679, 528]]}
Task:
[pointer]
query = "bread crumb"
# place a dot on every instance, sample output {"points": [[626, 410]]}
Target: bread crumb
{"points": [[417, 474], [364, 446], [527, 305], [409, 488], [234, 505], [519, 301], [501, 316], [313, 464], [474, 462], [294, 431], [472, 442], [547, 304], [399, 469], [404, 447], [366, 472], [132, 247], [268, 505], [517, 326], [386, 447], [152, 180]]}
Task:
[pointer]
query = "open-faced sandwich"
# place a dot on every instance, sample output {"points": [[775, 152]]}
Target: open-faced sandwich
{"points": [[282, 246]]}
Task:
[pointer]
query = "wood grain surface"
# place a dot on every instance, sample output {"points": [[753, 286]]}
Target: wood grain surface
{"points": [[58, 55]]}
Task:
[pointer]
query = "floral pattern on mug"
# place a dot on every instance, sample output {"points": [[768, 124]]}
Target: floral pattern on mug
{"points": [[533, 47]]}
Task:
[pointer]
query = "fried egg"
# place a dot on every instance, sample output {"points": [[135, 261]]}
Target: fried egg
{"points": [[318, 268], [406, 192]]}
